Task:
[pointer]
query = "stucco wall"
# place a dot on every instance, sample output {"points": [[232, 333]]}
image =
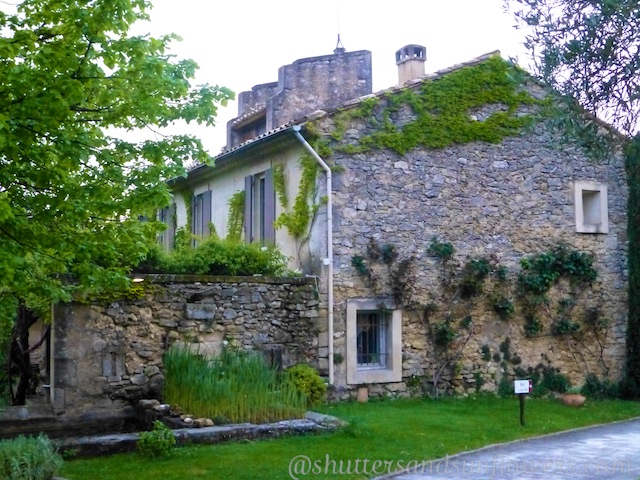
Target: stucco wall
{"points": [[108, 356]]}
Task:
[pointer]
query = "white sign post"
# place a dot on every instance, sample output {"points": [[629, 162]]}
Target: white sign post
{"points": [[522, 388]]}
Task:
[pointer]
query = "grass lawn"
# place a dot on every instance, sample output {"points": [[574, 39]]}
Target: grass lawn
{"points": [[393, 430]]}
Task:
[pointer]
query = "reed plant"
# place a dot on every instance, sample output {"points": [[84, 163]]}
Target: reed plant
{"points": [[237, 386]]}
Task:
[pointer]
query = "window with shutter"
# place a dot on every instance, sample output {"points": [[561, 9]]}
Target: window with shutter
{"points": [[167, 216], [260, 205], [201, 214]]}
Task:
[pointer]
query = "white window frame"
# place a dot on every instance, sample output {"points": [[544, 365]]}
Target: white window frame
{"points": [[391, 370], [591, 207]]}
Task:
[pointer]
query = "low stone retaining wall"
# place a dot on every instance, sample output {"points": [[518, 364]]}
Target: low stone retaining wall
{"points": [[110, 444]]}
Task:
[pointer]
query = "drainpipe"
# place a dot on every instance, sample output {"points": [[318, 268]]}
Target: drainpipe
{"points": [[329, 260]]}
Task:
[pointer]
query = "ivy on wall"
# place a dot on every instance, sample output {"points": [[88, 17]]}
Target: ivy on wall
{"points": [[441, 111], [187, 198], [280, 185], [298, 219], [447, 317], [235, 223]]}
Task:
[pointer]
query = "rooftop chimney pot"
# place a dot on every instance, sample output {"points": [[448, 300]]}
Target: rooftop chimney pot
{"points": [[410, 60]]}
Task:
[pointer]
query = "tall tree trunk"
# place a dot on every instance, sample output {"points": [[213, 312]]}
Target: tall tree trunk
{"points": [[20, 354]]}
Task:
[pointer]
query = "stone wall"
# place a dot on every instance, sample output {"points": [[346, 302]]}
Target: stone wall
{"points": [[501, 201], [108, 356], [314, 83]]}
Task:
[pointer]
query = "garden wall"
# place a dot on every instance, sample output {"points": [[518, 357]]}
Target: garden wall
{"points": [[107, 355]]}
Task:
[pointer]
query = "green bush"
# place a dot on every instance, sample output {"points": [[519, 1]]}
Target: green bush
{"points": [[600, 389], [308, 381], [505, 387], [29, 458], [157, 442], [545, 379], [214, 256]]}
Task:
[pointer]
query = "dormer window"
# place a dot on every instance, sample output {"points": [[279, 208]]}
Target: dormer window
{"points": [[247, 131]]}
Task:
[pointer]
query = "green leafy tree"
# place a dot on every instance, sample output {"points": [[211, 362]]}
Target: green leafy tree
{"points": [[73, 83], [588, 50]]}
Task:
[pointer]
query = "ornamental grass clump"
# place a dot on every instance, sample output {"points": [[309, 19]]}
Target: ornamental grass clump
{"points": [[236, 385], [29, 458]]}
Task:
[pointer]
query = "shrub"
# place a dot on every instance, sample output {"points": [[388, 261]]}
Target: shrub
{"points": [[505, 387], [214, 256], [553, 381], [29, 458], [600, 389], [307, 381], [157, 442]]}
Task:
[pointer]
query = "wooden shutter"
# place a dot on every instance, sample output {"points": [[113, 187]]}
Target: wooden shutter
{"points": [[248, 211], [194, 214], [171, 226], [269, 207], [206, 212]]}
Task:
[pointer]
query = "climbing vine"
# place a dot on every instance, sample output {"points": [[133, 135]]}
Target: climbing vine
{"points": [[444, 111], [279, 185], [539, 273], [448, 314], [236, 216], [298, 220], [187, 198]]}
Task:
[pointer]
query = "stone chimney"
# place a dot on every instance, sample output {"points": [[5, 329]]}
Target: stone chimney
{"points": [[410, 60]]}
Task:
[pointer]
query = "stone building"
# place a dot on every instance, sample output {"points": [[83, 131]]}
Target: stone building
{"points": [[458, 242]]}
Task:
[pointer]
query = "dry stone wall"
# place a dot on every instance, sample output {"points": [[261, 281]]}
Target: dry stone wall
{"points": [[109, 356]]}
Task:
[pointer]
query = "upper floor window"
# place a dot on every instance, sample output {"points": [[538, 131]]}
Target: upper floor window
{"points": [[201, 214], [260, 205], [592, 213], [167, 216]]}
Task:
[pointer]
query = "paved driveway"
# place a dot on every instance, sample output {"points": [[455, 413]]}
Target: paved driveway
{"points": [[609, 452]]}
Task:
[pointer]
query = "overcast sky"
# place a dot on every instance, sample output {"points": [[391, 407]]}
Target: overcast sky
{"points": [[243, 43]]}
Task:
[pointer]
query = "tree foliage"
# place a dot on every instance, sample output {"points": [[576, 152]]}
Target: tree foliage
{"points": [[73, 83], [588, 50]]}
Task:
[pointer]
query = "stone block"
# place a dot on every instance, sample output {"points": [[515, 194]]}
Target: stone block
{"points": [[140, 379], [200, 311]]}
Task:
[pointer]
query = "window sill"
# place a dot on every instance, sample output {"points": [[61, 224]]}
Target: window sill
{"points": [[376, 375]]}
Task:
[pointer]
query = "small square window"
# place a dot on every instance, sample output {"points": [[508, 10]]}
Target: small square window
{"points": [[371, 344], [374, 342], [591, 207]]}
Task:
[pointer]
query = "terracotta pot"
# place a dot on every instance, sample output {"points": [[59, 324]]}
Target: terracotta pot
{"points": [[573, 399], [363, 394]]}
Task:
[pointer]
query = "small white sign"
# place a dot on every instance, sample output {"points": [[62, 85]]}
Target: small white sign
{"points": [[522, 386]]}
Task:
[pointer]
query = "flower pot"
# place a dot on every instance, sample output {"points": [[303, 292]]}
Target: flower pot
{"points": [[573, 399]]}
